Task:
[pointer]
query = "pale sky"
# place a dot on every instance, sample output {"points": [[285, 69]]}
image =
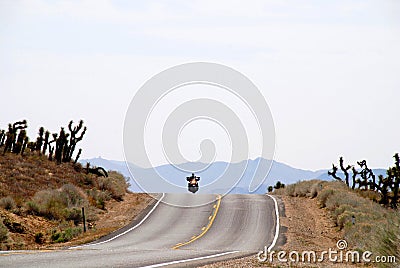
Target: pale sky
{"points": [[329, 70]]}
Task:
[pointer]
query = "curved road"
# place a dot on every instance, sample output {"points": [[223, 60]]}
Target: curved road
{"points": [[228, 227]]}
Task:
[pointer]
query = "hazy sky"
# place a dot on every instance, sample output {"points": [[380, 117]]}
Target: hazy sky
{"points": [[329, 70]]}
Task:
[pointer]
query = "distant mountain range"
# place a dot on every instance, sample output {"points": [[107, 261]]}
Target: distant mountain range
{"points": [[177, 175], [278, 172]]}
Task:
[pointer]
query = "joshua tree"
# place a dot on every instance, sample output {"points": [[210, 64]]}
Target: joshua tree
{"points": [[51, 148], [39, 140], [343, 168], [333, 173], [20, 141], [354, 177], [384, 184], [2, 137], [60, 142], [394, 175], [46, 142], [11, 135], [366, 174], [26, 141], [99, 171], [77, 156], [74, 138]]}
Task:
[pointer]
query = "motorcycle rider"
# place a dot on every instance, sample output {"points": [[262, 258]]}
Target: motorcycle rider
{"points": [[192, 180]]}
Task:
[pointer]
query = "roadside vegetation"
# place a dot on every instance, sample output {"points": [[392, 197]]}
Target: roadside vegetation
{"points": [[366, 224], [43, 187]]}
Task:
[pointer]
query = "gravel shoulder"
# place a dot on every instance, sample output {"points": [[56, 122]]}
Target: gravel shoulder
{"points": [[304, 226]]}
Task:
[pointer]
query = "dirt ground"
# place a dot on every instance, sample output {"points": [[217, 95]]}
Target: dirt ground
{"points": [[305, 227], [116, 216]]}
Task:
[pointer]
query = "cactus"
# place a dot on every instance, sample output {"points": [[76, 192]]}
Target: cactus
{"points": [[26, 141], [51, 148], [333, 173], [65, 149], [39, 140], [20, 141], [384, 184], [74, 138], [46, 142], [99, 171], [51, 151], [395, 175], [19, 125], [354, 177], [60, 142], [77, 156], [366, 174], [343, 168], [2, 137], [10, 136]]}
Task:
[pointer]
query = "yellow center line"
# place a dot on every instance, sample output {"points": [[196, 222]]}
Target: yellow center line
{"points": [[205, 229]]}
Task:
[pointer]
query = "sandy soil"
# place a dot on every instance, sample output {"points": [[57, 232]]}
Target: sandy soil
{"points": [[305, 227]]}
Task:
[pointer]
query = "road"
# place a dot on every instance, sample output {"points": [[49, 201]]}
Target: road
{"points": [[228, 227]]}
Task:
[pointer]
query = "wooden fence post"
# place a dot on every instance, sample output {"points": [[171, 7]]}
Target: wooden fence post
{"points": [[84, 219]]}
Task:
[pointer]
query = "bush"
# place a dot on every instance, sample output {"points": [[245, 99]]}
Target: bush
{"points": [[65, 236], [375, 228], [323, 196], [32, 208], [58, 204], [98, 198], [3, 232], [51, 204], [39, 238], [115, 184], [74, 196], [75, 215], [7, 203]]}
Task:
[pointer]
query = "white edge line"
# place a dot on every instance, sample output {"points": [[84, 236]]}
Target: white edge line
{"points": [[277, 224], [127, 231], [187, 260]]}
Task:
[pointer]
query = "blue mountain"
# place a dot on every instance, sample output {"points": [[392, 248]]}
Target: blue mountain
{"points": [[213, 173]]}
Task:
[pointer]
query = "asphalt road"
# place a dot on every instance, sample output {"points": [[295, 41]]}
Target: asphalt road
{"points": [[228, 227]]}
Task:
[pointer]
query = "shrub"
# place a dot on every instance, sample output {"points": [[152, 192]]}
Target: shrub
{"points": [[74, 197], [324, 195], [65, 236], [3, 232], [74, 214], [115, 184], [32, 208], [279, 185], [7, 203], [58, 204], [375, 228], [51, 204], [98, 198], [290, 190], [39, 238]]}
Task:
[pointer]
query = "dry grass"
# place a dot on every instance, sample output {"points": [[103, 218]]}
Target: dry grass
{"points": [[7, 203], [46, 199], [366, 224]]}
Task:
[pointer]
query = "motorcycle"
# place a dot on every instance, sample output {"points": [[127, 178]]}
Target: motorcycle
{"points": [[193, 185]]}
